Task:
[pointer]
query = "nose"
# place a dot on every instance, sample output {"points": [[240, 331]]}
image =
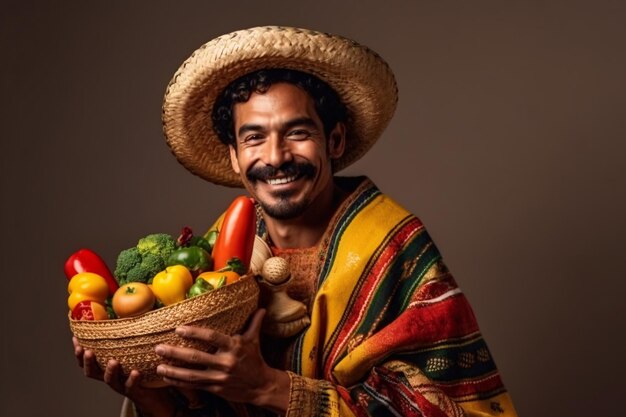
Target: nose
{"points": [[277, 152]]}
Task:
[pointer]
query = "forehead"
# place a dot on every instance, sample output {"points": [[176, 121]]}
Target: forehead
{"points": [[281, 102]]}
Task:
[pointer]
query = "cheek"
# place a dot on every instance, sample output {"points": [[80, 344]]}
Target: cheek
{"points": [[324, 161], [245, 161], [315, 153]]}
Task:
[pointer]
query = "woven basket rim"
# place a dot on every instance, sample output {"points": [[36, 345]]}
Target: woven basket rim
{"points": [[120, 324], [133, 343]]}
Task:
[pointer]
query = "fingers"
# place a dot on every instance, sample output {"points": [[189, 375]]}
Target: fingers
{"points": [[114, 377], [221, 340], [78, 351], [112, 373], [215, 371], [187, 378], [254, 329], [91, 367], [187, 355], [75, 342], [212, 337], [134, 378]]}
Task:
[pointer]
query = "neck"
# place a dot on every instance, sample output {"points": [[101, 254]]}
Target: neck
{"points": [[306, 230]]}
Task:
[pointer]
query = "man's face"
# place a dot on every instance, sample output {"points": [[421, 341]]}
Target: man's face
{"points": [[282, 154]]}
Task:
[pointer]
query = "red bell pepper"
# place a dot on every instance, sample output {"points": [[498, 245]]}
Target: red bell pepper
{"points": [[86, 260], [235, 240]]}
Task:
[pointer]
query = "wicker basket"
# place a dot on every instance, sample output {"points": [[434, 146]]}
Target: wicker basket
{"points": [[132, 340]]}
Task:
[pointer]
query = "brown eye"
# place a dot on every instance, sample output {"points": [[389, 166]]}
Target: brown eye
{"points": [[298, 134], [252, 138]]}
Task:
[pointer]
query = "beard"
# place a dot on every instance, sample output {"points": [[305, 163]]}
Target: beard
{"points": [[283, 208]]}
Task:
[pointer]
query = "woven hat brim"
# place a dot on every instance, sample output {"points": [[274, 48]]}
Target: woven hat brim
{"points": [[363, 80]]}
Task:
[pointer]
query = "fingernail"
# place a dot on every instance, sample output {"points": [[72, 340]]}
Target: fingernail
{"points": [[160, 350], [181, 331]]}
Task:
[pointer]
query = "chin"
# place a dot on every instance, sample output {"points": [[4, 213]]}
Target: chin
{"points": [[284, 209]]}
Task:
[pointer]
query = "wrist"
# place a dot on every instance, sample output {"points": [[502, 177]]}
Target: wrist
{"points": [[274, 395]]}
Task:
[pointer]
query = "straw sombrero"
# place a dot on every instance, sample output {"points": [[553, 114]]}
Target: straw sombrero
{"points": [[362, 79]]}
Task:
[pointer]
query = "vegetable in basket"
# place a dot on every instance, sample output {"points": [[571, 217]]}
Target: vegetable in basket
{"points": [[200, 241], [86, 260], [187, 238], [219, 278], [89, 310], [171, 285], [236, 237], [144, 261], [211, 237], [158, 244], [133, 299], [193, 258], [87, 286], [199, 287]]}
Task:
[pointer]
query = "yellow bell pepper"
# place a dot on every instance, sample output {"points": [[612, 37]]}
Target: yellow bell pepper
{"points": [[87, 286], [171, 285]]}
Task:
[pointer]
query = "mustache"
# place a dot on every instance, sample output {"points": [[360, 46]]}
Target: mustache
{"points": [[288, 169]]}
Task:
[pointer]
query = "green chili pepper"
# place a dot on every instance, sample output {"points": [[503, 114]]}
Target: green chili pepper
{"points": [[199, 287], [211, 237], [193, 258]]}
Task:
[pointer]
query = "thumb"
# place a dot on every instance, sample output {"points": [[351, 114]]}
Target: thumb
{"points": [[254, 328]]}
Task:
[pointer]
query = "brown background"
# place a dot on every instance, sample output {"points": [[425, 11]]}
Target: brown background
{"points": [[508, 142]]}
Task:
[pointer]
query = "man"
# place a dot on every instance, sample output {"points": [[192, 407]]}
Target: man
{"points": [[279, 111]]}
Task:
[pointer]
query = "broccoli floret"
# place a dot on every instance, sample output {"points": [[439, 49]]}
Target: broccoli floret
{"points": [[158, 244], [143, 262], [127, 260], [144, 272]]}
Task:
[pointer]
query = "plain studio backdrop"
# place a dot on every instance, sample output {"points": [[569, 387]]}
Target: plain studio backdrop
{"points": [[508, 143]]}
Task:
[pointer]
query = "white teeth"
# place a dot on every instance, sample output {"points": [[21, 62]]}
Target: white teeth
{"points": [[276, 181]]}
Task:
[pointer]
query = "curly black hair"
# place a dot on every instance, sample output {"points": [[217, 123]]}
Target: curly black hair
{"points": [[328, 106]]}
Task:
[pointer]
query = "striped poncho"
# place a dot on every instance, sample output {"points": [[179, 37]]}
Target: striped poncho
{"points": [[391, 334]]}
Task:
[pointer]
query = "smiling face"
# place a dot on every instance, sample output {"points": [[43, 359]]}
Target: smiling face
{"points": [[282, 154]]}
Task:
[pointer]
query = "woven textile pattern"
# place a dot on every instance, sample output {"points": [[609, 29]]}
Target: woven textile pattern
{"points": [[391, 332]]}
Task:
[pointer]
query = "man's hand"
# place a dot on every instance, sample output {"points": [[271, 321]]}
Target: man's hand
{"points": [[152, 402], [236, 371]]}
